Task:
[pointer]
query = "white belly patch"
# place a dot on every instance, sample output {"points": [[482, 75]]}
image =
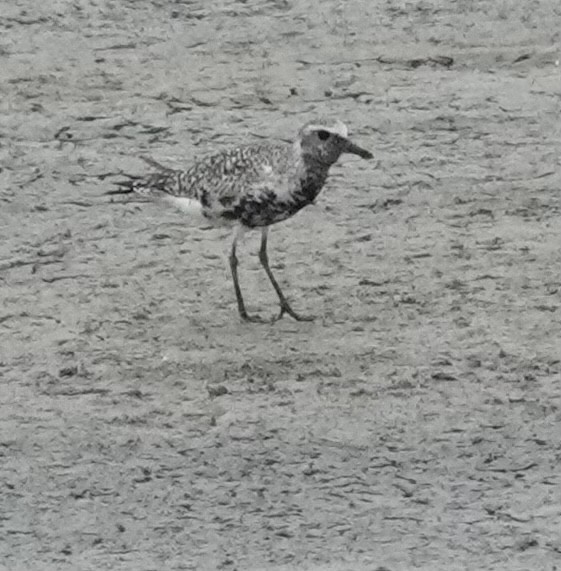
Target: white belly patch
{"points": [[190, 206]]}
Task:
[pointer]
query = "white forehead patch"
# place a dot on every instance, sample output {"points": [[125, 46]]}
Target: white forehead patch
{"points": [[340, 128], [337, 127]]}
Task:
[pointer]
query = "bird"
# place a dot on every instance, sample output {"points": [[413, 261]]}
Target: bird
{"points": [[251, 187]]}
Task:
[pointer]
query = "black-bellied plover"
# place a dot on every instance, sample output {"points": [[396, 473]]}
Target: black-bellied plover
{"points": [[252, 187]]}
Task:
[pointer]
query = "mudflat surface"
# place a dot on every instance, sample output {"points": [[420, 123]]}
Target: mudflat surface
{"points": [[414, 424]]}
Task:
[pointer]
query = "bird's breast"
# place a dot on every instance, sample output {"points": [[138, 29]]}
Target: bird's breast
{"points": [[310, 186]]}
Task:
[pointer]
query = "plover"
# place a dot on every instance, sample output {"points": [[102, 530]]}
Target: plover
{"points": [[251, 187]]}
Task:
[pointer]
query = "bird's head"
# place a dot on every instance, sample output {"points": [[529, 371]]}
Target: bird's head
{"points": [[327, 141]]}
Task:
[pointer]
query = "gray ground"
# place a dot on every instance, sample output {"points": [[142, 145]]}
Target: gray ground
{"points": [[414, 424]]}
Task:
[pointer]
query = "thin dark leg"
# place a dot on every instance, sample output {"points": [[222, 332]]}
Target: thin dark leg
{"points": [[234, 268], [264, 259]]}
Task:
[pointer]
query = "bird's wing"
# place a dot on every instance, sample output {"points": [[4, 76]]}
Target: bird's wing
{"points": [[220, 181], [228, 176]]}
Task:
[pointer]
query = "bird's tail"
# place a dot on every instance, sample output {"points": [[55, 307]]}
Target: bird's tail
{"points": [[158, 166], [125, 186], [154, 185]]}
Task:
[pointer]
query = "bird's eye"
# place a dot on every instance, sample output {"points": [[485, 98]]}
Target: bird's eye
{"points": [[323, 135]]}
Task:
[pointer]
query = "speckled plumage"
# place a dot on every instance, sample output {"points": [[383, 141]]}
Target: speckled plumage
{"points": [[256, 185], [252, 186]]}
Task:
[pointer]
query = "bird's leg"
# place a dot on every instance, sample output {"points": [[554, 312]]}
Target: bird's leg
{"points": [[264, 259], [234, 268]]}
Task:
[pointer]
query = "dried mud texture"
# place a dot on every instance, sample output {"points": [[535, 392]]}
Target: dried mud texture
{"points": [[414, 424]]}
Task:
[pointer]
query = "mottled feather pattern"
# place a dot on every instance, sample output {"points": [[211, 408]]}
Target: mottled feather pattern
{"points": [[162, 181], [256, 185]]}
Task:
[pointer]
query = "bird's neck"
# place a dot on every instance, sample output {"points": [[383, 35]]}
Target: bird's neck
{"points": [[312, 175], [312, 179]]}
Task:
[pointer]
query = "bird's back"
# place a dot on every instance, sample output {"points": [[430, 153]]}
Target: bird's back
{"points": [[255, 185], [233, 173]]}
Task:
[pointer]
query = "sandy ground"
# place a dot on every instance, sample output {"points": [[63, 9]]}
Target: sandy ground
{"points": [[415, 424]]}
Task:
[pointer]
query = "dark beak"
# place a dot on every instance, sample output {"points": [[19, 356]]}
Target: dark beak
{"points": [[356, 150]]}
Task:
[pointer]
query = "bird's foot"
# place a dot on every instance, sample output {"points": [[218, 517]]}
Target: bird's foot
{"points": [[285, 308], [255, 318]]}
